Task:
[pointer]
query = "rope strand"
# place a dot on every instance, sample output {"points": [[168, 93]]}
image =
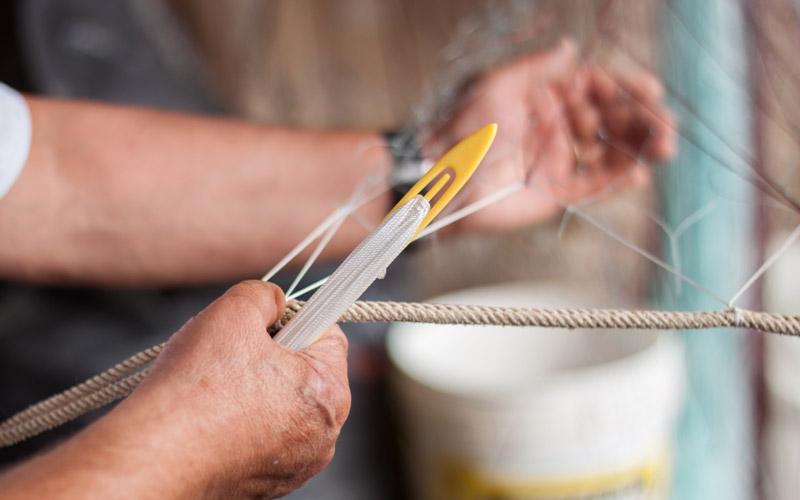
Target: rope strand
{"points": [[123, 378]]}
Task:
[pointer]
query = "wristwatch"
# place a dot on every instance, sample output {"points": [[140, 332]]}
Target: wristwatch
{"points": [[408, 162]]}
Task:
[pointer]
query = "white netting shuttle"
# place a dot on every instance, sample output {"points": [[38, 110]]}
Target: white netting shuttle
{"points": [[367, 263]]}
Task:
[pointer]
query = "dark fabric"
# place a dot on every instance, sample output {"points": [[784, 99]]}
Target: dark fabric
{"points": [[12, 69]]}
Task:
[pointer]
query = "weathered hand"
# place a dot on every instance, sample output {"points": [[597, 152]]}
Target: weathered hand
{"points": [[267, 417], [224, 413], [255, 420], [567, 131]]}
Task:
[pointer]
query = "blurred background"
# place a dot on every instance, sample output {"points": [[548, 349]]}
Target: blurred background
{"points": [[725, 414]]}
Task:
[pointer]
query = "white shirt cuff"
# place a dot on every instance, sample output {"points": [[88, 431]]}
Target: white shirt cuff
{"points": [[15, 136]]}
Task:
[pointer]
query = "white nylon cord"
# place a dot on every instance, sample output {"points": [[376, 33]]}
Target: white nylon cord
{"points": [[364, 265]]}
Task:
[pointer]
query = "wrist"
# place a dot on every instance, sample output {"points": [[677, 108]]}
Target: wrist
{"points": [[147, 455], [116, 457], [160, 438], [409, 163], [200, 454]]}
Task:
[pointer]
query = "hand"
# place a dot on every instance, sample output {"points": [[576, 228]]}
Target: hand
{"points": [[224, 413], [267, 418], [566, 131]]}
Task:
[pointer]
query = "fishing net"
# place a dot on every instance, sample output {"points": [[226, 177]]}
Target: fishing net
{"points": [[713, 229]]}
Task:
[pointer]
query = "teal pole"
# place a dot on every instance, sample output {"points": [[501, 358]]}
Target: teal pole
{"points": [[706, 194]]}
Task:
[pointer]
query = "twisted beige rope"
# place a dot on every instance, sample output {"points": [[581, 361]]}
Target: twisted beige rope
{"points": [[33, 424], [90, 387], [118, 381]]}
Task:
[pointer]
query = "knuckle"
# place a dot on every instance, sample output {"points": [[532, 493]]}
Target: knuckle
{"points": [[277, 295], [255, 298], [249, 287], [259, 291], [496, 82], [337, 335], [326, 456], [326, 396], [651, 87], [241, 303]]}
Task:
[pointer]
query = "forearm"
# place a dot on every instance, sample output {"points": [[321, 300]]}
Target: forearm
{"points": [[116, 195], [131, 453]]}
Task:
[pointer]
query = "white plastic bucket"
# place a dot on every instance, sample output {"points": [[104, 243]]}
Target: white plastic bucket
{"points": [[782, 373], [783, 429], [507, 412]]}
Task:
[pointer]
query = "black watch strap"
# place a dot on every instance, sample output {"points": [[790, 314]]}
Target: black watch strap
{"points": [[408, 162]]}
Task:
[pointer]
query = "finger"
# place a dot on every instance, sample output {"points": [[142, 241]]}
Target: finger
{"points": [[603, 88], [265, 301], [330, 351], [549, 153], [576, 90], [618, 120], [331, 346], [663, 134], [585, 121], [646, 124], [649, 133], [603, 161], [556, 66], [590, 157], [558, 63], [228, 329], [643, 87]]}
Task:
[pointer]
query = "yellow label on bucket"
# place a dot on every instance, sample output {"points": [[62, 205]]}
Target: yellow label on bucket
{"points": [[647, 480]]}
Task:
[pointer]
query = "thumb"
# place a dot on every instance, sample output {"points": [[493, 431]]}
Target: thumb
{"points": [[253, 297]]}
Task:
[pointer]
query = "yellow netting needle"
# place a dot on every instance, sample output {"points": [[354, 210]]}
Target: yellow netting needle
{"points": [[455, 168]]}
